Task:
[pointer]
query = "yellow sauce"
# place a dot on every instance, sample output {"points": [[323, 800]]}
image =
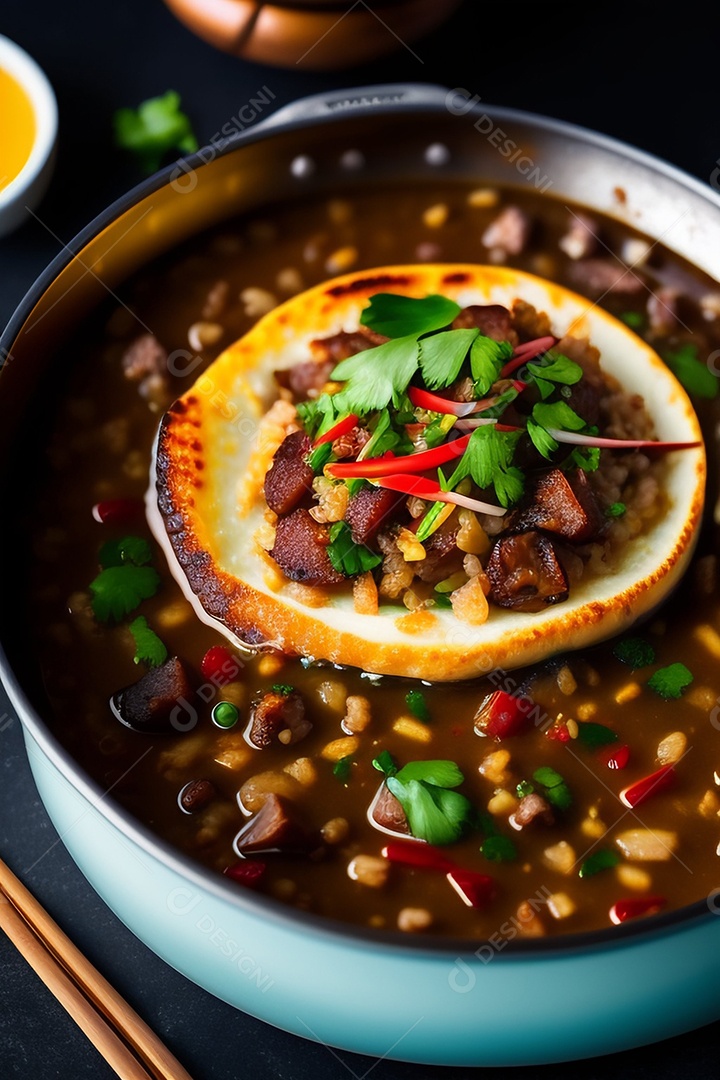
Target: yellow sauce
{"points": [[17, 128]]}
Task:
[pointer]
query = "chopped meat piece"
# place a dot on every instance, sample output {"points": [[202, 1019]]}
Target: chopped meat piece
{"points": [[443, 557], [196, 795], [163, 700], [144, 356], [601, 276], [531, 807], [561, 503], [276, 713], [581, 239], [300, 550], [289, 478], [510, 231], [663, 309], [525, 573], [275, 827], [306, 379], [350, 445], [368, 509], [389, 814], [339, 346], [492, 320], [462, 390]]}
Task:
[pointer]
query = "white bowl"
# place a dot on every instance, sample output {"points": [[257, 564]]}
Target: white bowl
{"points": [[25, 191]]}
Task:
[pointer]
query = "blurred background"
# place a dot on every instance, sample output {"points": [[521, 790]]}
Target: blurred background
{"points": [[627, 70]]}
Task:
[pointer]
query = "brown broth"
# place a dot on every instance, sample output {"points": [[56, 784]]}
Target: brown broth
{"points": [[99, 448]]}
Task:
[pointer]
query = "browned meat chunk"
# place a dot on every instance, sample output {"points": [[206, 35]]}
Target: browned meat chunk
{"points": [[144, 356], [163, 700], [306, 379], [339, 346], [563, 504], [275, 827], [278, 717], [492, 320], [531, 807], [525, 573], [289, 478], [510, 231], [197, 795], [301, 550], [663, 308], [581, 239], [443, 557], [368, 509], [389, 814], [600, 276]]}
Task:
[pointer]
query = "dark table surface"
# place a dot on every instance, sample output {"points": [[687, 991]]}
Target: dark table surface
{"points": [[623, 69]]}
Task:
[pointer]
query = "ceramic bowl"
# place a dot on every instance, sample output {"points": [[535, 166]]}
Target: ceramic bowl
{"points": [[498, 1002]]}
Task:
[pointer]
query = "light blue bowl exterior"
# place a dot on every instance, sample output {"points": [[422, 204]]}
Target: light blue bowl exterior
{"points": [[427, 1006]]}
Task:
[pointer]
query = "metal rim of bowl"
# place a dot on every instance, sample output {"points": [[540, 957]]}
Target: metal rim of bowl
{"points": [[304, 114]]}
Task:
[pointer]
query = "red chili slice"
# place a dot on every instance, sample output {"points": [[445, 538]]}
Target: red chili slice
{"points": [[119, 511], [247, 872], [632, 906], [219, 665], [501, 715], [615, 757], [341, 428], [477, 890], [406, 463], [417, 853], [643, 789], [526, 352]]}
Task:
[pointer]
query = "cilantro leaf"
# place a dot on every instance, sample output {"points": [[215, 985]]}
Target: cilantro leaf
{"points": [[434, 813], [342, 768], [635, 652], [318, 458], [498, 848], [346, 556], [488, 460], [418, 706], [154, 128], [669, 682], [148, 646], [615, 510], [445, 774], [688, 369], [282, 688], [374, 377], [634, 319], [595, 735], [132, 549], [442, 356], [118, 590], [556, 414], [599, 860], [397, 316], [554, 787], [585, 457], [317, 416], [487, 357], [556, 368], [385, 763]]}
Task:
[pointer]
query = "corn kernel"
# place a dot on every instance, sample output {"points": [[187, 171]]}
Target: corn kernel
{"points": [[483, 198], [709, 638], [627, 693], [633, 877], [503, 803], [435, 216], [561, 906], [270, 664]]}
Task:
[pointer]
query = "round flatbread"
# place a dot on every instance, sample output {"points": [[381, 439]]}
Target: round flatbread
{"points": [[206, 504]]}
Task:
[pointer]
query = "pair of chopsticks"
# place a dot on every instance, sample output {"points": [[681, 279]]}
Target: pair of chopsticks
{"points": [[129, 1046]]}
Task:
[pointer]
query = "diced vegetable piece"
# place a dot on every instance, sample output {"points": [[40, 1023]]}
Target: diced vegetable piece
{"points": [[476, 890], [119, 511], [247, 872], [632, 906], [669, 682], [219, 665], [418, 706], [615, 757], [419, 854], [599, 860], [501, 715], [653, 784], [647, 845], [595, 735]]}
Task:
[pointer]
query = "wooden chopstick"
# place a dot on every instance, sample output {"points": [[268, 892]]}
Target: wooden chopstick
{"points": [[93, 1003]]}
